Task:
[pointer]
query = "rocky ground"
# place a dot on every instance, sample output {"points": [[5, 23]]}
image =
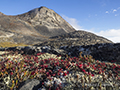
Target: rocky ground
{"points": [[63, 68], [103, 52], [77, 38]]}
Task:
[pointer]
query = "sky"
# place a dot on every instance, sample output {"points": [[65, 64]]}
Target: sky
{"points": [[101, 17]]}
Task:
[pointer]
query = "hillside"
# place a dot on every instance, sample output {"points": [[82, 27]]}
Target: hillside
{"points": [[40, 25], [32, 27], [76, 38]]}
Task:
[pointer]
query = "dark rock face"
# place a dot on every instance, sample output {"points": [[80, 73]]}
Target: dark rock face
{"points": [[107, 52], [104, 52]]}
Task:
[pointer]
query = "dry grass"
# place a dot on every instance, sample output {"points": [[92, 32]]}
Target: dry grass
{"points": [[9, 44]]}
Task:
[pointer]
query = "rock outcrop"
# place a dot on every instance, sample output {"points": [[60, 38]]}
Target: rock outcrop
{"points": [[104, 52]]}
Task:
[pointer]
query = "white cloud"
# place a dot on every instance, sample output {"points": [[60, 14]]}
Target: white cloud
{"points": [[106, 12], [112, 34], [73, 22], [114, 10]]}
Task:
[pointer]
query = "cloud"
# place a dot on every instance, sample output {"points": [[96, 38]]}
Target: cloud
{"points": [[112, 34], [73, 22], [106, 12], [114, 10]]}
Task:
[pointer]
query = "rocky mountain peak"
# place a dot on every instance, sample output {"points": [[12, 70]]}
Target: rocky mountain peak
{"points": [[1, 14], [46, 17], [32, 13], [36, 25]]}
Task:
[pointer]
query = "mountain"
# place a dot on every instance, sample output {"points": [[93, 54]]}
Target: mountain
{"points": [[42, 25], [46, 21], [34, 26]]}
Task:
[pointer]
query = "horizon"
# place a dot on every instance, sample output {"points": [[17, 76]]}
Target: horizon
{"points": [[101, 17]]}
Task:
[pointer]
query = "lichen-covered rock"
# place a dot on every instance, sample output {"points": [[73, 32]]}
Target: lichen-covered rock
{"points": [[30, 84], [47, 56]]}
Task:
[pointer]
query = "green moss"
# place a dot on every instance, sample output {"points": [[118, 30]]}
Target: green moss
{"points": [[9, 44]]}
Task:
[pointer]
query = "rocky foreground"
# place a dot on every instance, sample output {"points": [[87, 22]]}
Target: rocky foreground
{"points": [[67, 67], [103, 52]]}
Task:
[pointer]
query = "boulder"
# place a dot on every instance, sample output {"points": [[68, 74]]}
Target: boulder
{"points": [[30, 84]]}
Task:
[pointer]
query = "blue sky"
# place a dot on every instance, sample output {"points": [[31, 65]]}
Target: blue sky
{"points": [[101, 17]]}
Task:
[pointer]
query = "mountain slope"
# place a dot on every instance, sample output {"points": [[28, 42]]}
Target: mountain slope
{"points": [[76, 38], [43, 25], [46, 21], [32, 27]]}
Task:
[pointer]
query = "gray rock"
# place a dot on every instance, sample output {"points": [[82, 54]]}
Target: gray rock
{"points": [[30, 84], [45, 48], [57, 51], [38, 47]]}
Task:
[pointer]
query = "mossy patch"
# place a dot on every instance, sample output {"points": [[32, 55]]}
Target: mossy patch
{"points": [[10, 44]]}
